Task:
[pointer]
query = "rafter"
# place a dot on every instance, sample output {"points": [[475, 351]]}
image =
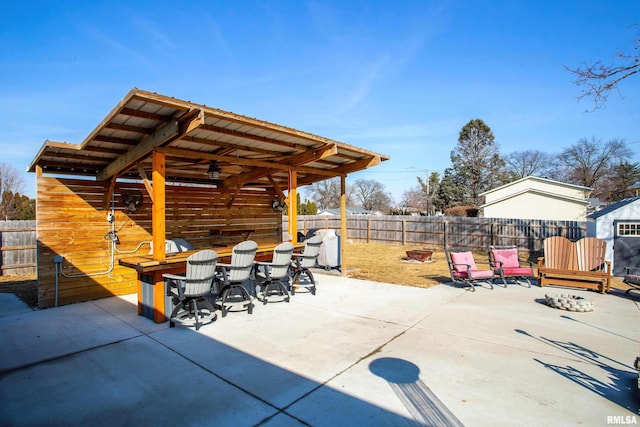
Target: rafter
{"points": [[252, 137], [129, 128], [144, 114], [162, 135], [292, 162], [189, 154]]}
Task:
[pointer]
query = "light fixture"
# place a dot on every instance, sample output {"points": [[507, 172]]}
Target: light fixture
{"points": [[214, 170]]}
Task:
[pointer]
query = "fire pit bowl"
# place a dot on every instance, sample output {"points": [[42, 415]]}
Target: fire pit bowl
{"points": [[421, 255]]}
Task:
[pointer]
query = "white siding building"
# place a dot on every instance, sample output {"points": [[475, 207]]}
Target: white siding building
{"points": [[537, 198], [619, 225]]}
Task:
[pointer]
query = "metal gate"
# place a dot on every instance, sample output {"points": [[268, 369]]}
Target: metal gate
{"points": [[626, 245]]}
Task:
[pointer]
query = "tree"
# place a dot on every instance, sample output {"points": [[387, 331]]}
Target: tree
{"points": [[597, 79], [413, 198], [371, 195], [521, 164], [615, 185], [11, 184], [326, 193], [589, 161], [306, 208], [449, 192], [476, 161], [429, 190]]}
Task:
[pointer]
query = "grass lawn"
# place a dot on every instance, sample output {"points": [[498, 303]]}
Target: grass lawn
{"points": [[384, 263]]}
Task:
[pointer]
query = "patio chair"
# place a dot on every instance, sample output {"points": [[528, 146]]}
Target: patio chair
{"points": [[302, 276], [190, 291], [632, 278], [463, 268], [580, 264], [271, 280], [232, 277], [506, 264]]}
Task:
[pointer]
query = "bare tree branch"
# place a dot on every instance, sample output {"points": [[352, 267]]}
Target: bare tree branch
{"points": [[598, 80]]}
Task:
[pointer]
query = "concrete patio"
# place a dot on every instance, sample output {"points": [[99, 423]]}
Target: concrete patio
{"points": [[358, 353]]}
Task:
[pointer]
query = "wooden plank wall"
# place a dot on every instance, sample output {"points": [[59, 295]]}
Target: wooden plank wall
{"points": [[72, 223], [18, 247]]}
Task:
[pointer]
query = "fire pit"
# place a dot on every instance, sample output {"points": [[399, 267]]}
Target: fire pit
{"points": [[421, 255]]}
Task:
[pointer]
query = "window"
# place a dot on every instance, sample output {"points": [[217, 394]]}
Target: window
{"points": [[628, 229]]}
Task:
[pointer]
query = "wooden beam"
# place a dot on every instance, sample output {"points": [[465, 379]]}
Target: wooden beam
{"points": [[144, 114], [129, 128], [343, 224], [158, 225], [252, 137], [109, 194], [190, 154], [292, 162], [358, 165], [293, 208], [145, 181], [276, 187], [232, 198], [142, 149], [190, 124]]}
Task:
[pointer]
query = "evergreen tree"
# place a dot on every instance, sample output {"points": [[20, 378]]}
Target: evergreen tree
{"points": [[476, 161]]}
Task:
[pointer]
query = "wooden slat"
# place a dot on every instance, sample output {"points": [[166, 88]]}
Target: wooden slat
{"points": [[72, 223]]}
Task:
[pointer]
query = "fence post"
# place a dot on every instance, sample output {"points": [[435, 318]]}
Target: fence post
{"points": [[493, 233], [368, 229], [444, 234], [404, 232]]}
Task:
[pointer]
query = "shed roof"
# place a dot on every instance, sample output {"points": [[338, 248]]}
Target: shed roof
{"points": [[613, 207], [250, 152]]}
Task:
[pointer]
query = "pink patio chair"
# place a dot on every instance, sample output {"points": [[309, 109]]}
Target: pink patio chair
{"points": [[463, 268], [506, 264]]}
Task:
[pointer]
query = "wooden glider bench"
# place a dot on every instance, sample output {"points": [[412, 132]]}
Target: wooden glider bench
{"points": [[578, 264]]}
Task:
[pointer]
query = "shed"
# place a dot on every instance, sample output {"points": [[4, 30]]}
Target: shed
{"points": [[619, 225], [159, 168], [533, 197]]}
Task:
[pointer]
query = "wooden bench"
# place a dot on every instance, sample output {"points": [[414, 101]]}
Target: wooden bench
{"points": [[578, 264]]}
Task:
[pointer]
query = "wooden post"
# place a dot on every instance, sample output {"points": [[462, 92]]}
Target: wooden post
{"points": [[293, 208], [158, 212], [404, 232], [343, 223], [159, 229]]}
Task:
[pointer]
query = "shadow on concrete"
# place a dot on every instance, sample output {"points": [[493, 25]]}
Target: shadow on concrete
{"points": [[404, 379], [619, 387], [168, 376]]}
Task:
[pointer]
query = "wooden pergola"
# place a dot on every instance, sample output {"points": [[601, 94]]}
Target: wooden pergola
{"points": [[158, 139]]}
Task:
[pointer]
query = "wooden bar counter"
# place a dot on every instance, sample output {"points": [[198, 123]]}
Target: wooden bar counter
{"points": [[152, 298]]}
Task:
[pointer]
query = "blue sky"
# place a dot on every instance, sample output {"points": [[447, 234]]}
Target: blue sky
{"points": [[397, 77]]}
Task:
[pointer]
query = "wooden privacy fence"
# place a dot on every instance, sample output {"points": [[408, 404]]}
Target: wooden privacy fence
{"points": [[18, 238], [438, 231], [18, 247]]}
